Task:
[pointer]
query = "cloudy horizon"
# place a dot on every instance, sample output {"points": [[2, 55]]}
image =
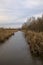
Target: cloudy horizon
{"points": [[16, 11]]}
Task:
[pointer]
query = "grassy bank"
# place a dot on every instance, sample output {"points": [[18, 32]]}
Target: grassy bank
{"points": [[34, 35], [35, 40], [6, 34]]}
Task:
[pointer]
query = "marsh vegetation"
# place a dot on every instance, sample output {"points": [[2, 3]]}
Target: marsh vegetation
{"points": [[6, 34], [34, 35]]}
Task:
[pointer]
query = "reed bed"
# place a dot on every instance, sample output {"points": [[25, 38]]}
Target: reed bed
{"points": [[6, 34], [35, 40]]}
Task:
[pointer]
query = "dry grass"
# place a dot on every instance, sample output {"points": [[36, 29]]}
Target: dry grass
{"points": [[35, 40], [6, 33], [34, 34]]}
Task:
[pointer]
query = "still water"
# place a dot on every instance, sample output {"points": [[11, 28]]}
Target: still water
{"points": [[15, 51]]}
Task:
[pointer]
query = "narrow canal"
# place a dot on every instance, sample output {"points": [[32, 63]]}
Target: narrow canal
{"points": [[15, 51]]}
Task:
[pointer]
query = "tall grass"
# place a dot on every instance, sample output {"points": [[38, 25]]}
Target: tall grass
{"points": [[34, 35], [35, 41], [6, 33]]}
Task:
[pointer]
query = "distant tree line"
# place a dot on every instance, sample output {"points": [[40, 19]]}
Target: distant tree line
{"points": [[35, 25]]}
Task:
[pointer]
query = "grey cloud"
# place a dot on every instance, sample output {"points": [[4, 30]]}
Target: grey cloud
{"points": [[19, 9]]}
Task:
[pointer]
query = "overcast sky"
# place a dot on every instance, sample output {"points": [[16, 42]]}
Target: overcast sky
{"points": [[16, 11]]}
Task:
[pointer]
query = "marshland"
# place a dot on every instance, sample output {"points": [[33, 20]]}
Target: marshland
{"points": [[23, 45], [6, 34], [21, 32], [34, 35]]}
